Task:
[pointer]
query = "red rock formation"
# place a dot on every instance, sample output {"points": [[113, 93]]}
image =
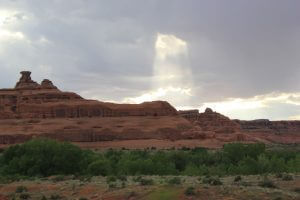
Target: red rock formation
{"points": [[47, 84], [267, 126], [42, 110], [25, 81], [211, 121], [32, 100], [191, 115]]}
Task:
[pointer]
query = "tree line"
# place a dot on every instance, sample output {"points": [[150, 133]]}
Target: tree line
{"points": [[45, 157]]}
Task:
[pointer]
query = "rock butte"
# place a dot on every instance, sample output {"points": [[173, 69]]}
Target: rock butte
{"points": [[41, 110]]}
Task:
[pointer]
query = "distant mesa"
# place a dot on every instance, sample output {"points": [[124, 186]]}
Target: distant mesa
{"points": [[42, 110], [32, 100]]}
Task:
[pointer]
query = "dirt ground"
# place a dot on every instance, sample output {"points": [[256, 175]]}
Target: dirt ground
{"points": [[94, 188], [151, 143]]}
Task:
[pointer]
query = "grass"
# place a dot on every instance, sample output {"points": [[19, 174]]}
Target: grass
{"points": [[166, 193]]}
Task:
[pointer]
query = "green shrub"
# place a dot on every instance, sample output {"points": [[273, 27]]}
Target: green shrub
{"points": [[111, 179], [279, 175], [55, 197], [267, 183], [99, 167], [190, 191], [44, 198], [122, 178], [59, 178], [174, 181], [21, 189], [297, 190], [137, 179], [212, 181], [112, 185], [287, 177], [245, 184], [24, 196], [42, 157], [145, 181], [237, 178], [83, 198]]}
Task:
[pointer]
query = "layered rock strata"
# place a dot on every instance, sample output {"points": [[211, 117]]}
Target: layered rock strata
{"points": [[32, 100], [42, 110]]}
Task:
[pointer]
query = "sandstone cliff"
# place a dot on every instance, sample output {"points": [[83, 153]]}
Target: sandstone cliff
{"points": [[41, 110], [32, 100]]}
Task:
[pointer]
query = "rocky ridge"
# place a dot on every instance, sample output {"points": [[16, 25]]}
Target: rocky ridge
{"points": [[41, 110]]}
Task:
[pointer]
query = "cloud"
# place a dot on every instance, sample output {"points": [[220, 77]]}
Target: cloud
{"points": [[109, 49], [168, 94], [273, 106]]}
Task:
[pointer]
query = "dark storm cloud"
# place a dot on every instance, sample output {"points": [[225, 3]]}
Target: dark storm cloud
{"points": [[237, 48]]}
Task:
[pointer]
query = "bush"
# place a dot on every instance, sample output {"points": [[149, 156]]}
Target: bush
{"points": [[55, 197], [59, 178], [137, 179], [112, 185], [99, 167], [237, 178], [190, 191], [174, 181], [111, 179], [41, 157], [297, 190], [267, 183], [43, 198], [287, 177], [122, 178], [24, 196], [212, 181], [144, 181], [21, 189], [279, 175]]}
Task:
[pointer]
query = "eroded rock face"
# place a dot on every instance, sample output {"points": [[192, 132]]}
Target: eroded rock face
{"points": [[47, 84], [25, 81], [211, 121], [41, 110], [32, 100], [267, 126]]}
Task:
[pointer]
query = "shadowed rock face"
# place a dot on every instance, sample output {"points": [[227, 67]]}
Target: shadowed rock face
{"points": [[32, 100]]}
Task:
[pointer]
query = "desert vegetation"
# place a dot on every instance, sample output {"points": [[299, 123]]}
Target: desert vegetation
{"points": [[44, 157], [47, 169]]}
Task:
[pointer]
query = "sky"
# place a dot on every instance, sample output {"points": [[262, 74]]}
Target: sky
{"points": [[239, 57]]}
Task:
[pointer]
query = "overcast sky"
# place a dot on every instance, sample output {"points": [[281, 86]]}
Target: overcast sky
{"points": [[240, 57]]}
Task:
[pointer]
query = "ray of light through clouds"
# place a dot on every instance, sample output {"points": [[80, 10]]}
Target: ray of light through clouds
{"points": [[240, 58], [172, 78]]}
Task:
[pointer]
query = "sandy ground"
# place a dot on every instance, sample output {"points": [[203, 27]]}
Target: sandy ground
{"points": [[98, 188]]}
